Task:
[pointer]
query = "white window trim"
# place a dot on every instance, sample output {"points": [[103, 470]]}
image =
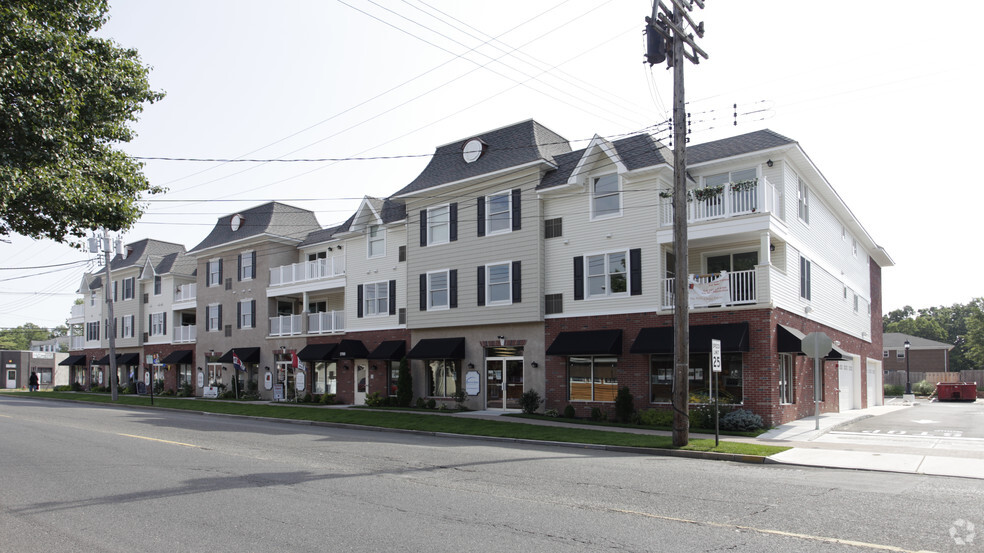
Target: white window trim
{"points": [[900, 354], [854, 247], [809, 282], [447, 276], [384, 284], [132, 286], [488, 213], [488, 283], [209, 309], [608, 282], [208, 273], [790, 384], [591, 196], [381, 237], [244, 320], [803, 201], [157, 322], [246, 257], [430, 225], [158, 285], [126, 326]]}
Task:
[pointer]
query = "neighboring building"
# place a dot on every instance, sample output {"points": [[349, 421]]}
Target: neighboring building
{"points": [[18, 366], [924, 355], [57, 344], [512, 263]]}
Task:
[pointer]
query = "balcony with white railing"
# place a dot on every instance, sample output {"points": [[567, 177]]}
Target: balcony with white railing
{"points": [[735, 199], [286, 325], [723, 289], [186, 293], [185, 334], [326, 322], [77, 343], [308, 271], [78, 314]]}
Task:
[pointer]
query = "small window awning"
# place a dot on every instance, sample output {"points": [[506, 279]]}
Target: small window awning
{"points": [[73, 360], [392, 350], [438, 348], [789, 340], [350, 349], [122, 359], [179, 357], [317, 352], [587, 342], [246, 355], [733, 336]]}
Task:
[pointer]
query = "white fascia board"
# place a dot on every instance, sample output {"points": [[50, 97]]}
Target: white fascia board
{"points": [[483, 176], [258, 238], [579, 174]]}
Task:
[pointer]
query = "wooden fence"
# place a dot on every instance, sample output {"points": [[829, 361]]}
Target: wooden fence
{"points": [[897, 378]]}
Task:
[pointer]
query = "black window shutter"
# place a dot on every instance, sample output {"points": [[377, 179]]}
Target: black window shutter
{"points": [[481, 285], [517, 212], [423, 228], [239, 267], [164, 321], [150, 322], [453, 287], [635, 272], [252, 311], [578, 278], [252, 266], [517, 282], [481, 215], [453, 231], [220, 270], [239, 314], [423, 291], [219, 317], [115, 287], [392, 297], [359, 296]]}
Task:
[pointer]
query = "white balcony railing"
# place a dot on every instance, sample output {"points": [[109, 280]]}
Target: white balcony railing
{"points": [[762, 197], [185, 334], [326, 322], [721, 289], [186, 292], [317, 269], [78, 312], [77, 343], [286, 325]]}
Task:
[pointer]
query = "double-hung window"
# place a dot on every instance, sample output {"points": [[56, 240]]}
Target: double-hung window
{"points": [[606, 196], [376, 241], [607, 274], [438, 225], [803, 201], [128, 286], [127, 326], [499, 279], [786, 384], [214, 272], [157, 285], [498, 213], [376, 299], [247, 265], [157, 324], [247, 313], [213, 317], [437, 290], [805, 267]]}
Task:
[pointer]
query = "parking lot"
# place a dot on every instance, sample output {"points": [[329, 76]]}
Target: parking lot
{"points": [[926, 420]]}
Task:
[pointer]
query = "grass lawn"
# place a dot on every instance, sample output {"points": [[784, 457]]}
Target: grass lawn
{"points": [[421, 422], [625, 425]]}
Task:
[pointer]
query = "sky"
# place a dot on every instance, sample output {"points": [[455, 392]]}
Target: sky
{"points": [[882, 98]]}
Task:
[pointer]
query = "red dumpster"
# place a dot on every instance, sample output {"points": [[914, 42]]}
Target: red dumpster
{"points": [[956, 391]]}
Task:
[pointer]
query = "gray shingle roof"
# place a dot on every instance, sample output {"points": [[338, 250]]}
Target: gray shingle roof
{"points": [[176, 263], [736, 145], [140, 250], [896, 340], [507, 147], [636, 151], [273, 218]]}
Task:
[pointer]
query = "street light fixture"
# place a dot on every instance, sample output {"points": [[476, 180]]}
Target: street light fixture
{"points": [[908, 385]]}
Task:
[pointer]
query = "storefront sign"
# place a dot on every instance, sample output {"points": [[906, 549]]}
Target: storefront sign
{"points": [[201, 379], [278, 392], [268, 380], [709, 290], [299, 381], [211, 392], [472, 383]]}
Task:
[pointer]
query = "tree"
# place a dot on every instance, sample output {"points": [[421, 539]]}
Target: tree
{"points": [[404, 385], [951, 325], [66, 98], [20, 338]]}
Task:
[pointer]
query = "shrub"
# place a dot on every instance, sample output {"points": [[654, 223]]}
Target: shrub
{"points": [[893, 390], [624, 405], [656, 417], [431, 403], [307, 398], [530, 401], [598, 415], [741, 420], [374, 400], [923, 388], [186, 390], [421, 403], [328, 399], [552, 413], [404, 385], [61, 388], [76, 387], [459, 398], [569, 412]]}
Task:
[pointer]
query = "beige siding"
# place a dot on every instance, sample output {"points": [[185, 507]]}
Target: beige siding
{"points": [[360, 269]]}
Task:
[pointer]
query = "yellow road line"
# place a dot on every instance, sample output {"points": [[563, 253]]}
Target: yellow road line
{"points": [[157, 440], [810, 537]]}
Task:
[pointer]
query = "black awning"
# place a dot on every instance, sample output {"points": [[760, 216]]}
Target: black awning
{"points": [[837, 354], [73, 360], [122, 359], [350, 349], [788, 340], [179, 357], [587, 342], [246, 355], [317, 352], [392, 350], [438, 348], [733, 336]]}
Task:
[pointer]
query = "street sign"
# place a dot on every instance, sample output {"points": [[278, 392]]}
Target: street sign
{"points": [[716, 356], [817, 345]]}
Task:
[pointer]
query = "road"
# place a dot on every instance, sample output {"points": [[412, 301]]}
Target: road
{"points": [[926, 419], [86, 478]]}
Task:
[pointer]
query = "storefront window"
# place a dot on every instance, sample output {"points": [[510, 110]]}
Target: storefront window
{"points": [[442, 377], [394, 376], [592, 378], [729, 384]]}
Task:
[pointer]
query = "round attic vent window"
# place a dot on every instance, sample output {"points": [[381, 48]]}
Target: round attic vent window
{"points": [[237, 220], [473, 150]]}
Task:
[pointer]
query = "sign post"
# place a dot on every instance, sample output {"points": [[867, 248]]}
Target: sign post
{"points": [[716, 371], [817, 345]]}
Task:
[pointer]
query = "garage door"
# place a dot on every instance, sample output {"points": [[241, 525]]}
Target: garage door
{"points": [[845, 383], [874, 381]]}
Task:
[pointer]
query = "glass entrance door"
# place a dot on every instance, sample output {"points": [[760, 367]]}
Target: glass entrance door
{"points": [[504, 382], [11, 378]]}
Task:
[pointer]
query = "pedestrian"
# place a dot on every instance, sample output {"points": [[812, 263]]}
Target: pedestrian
{"points": [[32, 383]]}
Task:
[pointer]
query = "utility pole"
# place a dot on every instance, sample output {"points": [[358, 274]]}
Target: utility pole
{"points": [[667, 27], [94, 244]]}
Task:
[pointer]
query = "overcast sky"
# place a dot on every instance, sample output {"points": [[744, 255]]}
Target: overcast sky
{"points": [[883, 98]]}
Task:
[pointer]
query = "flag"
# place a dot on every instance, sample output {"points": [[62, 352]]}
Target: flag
{"points": [[237, 363], [294, 361]]}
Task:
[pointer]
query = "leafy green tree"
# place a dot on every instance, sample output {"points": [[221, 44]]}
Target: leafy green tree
{"points": [[974, 345], [951, 325], [66, 98], [20, 338]]}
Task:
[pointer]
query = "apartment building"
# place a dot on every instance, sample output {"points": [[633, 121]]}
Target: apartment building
{"points": [[512, 262]]}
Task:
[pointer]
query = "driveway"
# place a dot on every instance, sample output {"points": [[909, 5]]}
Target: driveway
{"points": [[927, 420]]}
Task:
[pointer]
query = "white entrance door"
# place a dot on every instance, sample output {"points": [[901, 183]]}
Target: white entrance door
{"points": [[11, 378], [874, 380], [845, 383], [504, 382], [361, 382]]}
